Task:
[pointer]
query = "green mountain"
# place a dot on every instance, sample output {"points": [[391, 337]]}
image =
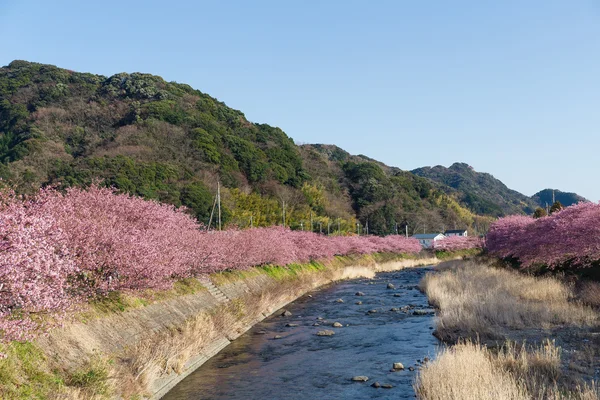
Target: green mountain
{"points": [[545, 197], [170, 142], [385, 196], [479, 191]]}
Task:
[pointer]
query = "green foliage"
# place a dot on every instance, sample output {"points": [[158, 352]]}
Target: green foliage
{"points": [[25, 373], [539, 213], [548, 196], [557, 206], [198, 198], [369, 184], [93, 378], [315, 197], [251, 160], [160, 181], [167, 141], [480, 192]]}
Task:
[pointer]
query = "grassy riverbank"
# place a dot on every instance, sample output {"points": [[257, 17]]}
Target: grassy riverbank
{"points": [[526, 337], [42, 369]]}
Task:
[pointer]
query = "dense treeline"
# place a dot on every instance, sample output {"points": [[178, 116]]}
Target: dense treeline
{"points": [[481, 192], [566, 239], [169, 142], [60, 249]]}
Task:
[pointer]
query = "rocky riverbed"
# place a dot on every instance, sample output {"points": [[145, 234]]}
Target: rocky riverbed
{"points": [[358, 339]]}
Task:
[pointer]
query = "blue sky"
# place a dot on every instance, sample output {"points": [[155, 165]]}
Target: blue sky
{"points": [[509, 87]]}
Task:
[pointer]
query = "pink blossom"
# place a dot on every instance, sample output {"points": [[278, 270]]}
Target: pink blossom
{"points": [[567, 236], [455, 243], [58, 250]]}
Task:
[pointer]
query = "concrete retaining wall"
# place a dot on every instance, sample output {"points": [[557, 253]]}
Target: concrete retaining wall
{"points": [[236, 306]]}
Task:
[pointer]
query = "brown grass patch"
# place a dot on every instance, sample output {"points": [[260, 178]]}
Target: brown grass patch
{"points": [[480, 301], [589, 293], [469, 371]]}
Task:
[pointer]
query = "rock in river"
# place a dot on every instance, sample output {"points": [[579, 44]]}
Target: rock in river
{"points": [[360, 294], [423, 312], [391, 286], [339, 301], [337, 325], [376, 385], [326, 332], [398, 366], [286, 313], [360, 378]]}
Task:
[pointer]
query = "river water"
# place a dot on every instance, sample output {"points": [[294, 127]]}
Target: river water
{"points": [[302, 365]]}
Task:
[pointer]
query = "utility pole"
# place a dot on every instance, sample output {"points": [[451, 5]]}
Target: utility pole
{"points": [[328, 228], [396, 228], [320, 227], [406, 230], [339, 230], [302, 226], [311, 222], [212, 212], [251, 222], [553, 198], [219, 201], [358, 228], [283, 211], [367, 227]]}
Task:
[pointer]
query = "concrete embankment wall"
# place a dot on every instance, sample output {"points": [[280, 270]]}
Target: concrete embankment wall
{"points": [[152, 348]]}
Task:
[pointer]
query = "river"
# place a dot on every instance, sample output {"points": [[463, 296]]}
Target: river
{"points": [[302, 365]]}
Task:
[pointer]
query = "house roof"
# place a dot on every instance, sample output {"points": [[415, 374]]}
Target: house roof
{"points": [[455, 231], [427, 235]]}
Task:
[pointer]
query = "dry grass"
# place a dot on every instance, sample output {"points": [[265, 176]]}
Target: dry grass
{"points": [[480, 301], [469, 371], [589, 293], [465, 372], [477, 301]]}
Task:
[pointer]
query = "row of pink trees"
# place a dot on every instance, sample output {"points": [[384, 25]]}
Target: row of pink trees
{"points": [[571, 236], [456, 243], [59, 249]]}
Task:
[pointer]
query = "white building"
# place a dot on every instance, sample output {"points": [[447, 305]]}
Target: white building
{"points": [[427, 239], [456, 232]]}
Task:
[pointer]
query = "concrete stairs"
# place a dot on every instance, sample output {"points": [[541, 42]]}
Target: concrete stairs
{"points": [[214, 291]]}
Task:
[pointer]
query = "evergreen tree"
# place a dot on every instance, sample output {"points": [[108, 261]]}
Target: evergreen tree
{"points": [[557, 206]]}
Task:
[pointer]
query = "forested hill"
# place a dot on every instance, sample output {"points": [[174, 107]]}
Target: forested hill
{"points": [[479, 191], [167, 141], [546, 197]]}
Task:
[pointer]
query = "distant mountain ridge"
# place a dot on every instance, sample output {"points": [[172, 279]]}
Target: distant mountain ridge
{"points": [[484, 194], [170, 142], [546, 196], [479, 191]]}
